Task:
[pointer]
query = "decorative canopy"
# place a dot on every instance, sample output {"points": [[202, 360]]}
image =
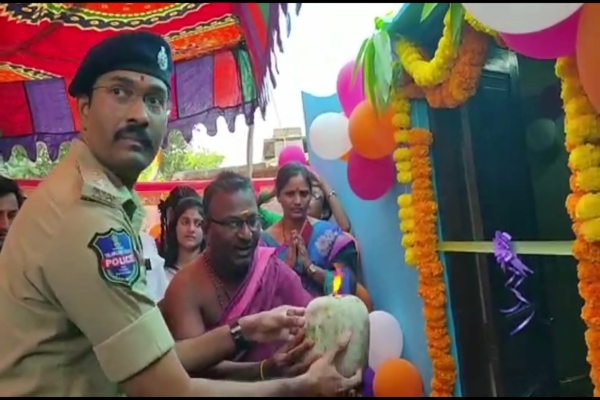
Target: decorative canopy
{"points": [[222, 55]]}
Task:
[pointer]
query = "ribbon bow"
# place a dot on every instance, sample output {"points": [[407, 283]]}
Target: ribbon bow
{"points": [[516, 273]]}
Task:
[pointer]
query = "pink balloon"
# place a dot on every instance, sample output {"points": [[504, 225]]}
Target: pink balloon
{"points": [[370, 179], [350, 95], [291, 154], [551, 43]]}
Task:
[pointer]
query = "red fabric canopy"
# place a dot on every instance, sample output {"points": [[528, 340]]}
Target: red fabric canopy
{"points": [[222, 55]]}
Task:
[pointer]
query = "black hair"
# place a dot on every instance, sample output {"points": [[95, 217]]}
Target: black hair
{"points": [[177, 194], [9, 186], [172, 247], [289, 171], [326, 211], [228, 182]]}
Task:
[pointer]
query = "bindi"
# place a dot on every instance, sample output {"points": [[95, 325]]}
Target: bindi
{"points": [[142, 78]]}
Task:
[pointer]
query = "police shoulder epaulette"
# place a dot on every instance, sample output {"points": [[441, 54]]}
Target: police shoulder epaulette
{"points": [[97, 187]]}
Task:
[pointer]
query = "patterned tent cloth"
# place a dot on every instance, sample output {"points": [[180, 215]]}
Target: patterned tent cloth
{"points": [[223, 54]]}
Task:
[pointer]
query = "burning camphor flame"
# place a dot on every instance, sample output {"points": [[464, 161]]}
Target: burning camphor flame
{"points": [[337, 280]]}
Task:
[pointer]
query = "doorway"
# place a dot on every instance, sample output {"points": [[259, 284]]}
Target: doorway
{"points": [[494, 171]]}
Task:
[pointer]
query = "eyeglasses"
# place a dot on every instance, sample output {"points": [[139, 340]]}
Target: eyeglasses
{"points": [[235, 224], [155, 102]]}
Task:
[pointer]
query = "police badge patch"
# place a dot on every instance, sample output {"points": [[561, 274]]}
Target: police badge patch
{"points": [[117, 258]]}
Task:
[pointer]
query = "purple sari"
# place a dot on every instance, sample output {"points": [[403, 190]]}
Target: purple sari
{"points": [[269, 284]]}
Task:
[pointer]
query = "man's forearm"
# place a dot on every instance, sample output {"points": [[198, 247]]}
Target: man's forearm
{"points": [[206, 350], [238, 371], [287, 387]]}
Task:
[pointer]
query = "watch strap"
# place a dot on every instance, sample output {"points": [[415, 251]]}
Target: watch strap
{"points": [[240, 342]]}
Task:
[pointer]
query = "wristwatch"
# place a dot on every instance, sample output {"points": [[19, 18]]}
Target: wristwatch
{"points": [[241, 344]]}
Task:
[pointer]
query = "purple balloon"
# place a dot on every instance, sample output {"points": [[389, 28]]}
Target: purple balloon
{"points": [[367, 385], [350, 95]]}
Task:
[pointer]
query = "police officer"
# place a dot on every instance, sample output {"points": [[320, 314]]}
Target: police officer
{"points": [[74, 316]]}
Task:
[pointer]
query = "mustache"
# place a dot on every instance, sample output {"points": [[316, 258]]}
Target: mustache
{"points": [[134, 132]]}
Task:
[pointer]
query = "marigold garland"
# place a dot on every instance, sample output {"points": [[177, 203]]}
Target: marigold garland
{"points": [[447, 80], [420, 240], [582, 131], [434, 71], [462, 81]]}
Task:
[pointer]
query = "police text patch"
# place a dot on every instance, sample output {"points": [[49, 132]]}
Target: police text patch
{"points": [[117, 259]]}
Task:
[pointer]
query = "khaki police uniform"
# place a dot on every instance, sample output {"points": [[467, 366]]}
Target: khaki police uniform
{"points": [[75, 319], [72, 323]]}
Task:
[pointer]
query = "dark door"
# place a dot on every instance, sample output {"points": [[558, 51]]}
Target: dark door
{"points": [[484, 184]]}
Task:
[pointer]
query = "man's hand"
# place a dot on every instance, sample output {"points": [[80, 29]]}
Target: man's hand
{"points": [[280, 323], [291, 359], [324, 380]]}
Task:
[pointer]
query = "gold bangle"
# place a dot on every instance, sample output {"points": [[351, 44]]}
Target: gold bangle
{"points": [[262, 372]]}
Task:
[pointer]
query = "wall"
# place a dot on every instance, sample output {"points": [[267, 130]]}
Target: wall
{"points": [[392, 284]]}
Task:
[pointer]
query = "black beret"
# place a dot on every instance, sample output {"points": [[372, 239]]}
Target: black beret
{"points": [[138, 51]]}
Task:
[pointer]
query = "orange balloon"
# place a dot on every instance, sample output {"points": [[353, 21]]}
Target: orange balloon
{"points": [[155, 231], [588, 58], [397, 378], [371, 135], [345, 157], [361, 293]]}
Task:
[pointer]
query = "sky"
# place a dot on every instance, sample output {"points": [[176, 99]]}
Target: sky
{"points": [[324, 37]]}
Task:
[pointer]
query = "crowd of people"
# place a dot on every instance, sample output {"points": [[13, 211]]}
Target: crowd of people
{"points": [[213, 307]]}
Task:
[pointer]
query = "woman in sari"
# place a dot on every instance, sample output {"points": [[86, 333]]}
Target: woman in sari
{"points": [[324, 205], [314, 248]]}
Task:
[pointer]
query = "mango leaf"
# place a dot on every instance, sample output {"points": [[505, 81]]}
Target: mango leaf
{"points": [[383, 67], [358, 61], [457, 16], [369, 74], [427, 10], [379, 24]]}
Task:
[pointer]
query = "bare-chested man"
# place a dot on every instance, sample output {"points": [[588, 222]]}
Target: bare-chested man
{"points": [[236, 277]]}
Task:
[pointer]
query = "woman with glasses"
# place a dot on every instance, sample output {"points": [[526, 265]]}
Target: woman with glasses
{"points": [[314, 248]]}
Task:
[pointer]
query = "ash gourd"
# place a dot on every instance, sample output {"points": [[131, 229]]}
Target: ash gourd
{"points": [[329, 317]]}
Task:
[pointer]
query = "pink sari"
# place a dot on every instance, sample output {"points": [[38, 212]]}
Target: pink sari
{"points": [[270, 283]]}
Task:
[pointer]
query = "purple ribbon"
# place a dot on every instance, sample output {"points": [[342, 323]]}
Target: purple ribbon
{"points": [[516, 273]]}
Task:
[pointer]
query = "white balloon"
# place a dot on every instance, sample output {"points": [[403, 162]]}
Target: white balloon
{"points": [[521, 17], [328, 136], [386, 340]]}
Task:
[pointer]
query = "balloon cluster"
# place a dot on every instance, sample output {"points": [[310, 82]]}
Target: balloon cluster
{"points": [[537, 30], [547, 31], [387, 374], [359, 136]]}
